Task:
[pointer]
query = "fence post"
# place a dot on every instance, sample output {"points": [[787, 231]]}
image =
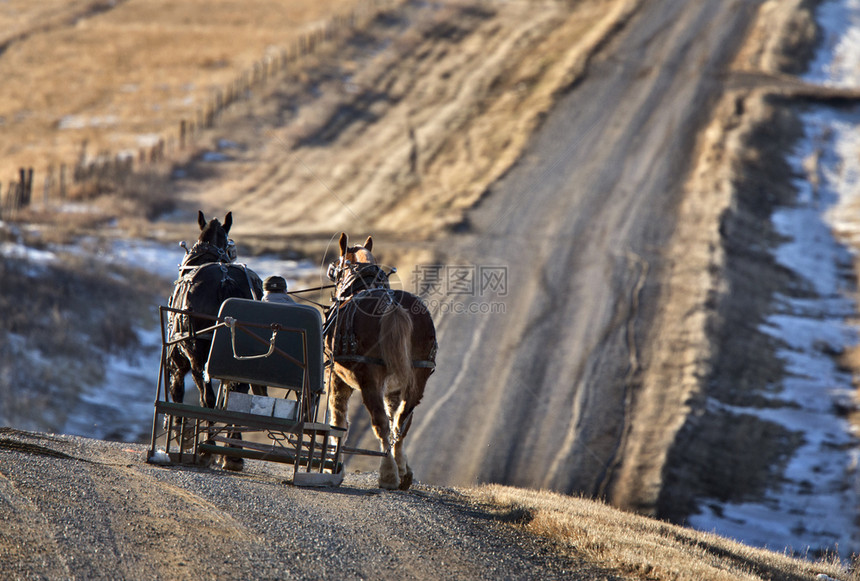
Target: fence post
{"points": [[25, 186], [49, 184], [22, 187], [17, 195], [63, 182]]}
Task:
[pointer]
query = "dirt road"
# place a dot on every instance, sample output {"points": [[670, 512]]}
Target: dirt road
{"points": [[75, 508], [543, 395]]}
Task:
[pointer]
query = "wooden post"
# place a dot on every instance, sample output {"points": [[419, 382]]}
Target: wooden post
{"points": [[63, 182], [17, 195], [119, 169], [25, 186], [49, 185], [22, 186], [182, 129]]}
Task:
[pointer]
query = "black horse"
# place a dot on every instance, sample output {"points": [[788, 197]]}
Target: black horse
{"points": [[207, 277]]}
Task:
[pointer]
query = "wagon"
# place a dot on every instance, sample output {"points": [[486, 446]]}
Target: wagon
{"points": [[258, 343]]}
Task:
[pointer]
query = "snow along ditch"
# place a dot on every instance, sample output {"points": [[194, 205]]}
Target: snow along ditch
{"points": [[121, 407], [813, 506]]}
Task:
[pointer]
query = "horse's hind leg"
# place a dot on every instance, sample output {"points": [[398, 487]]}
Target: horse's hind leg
{"points": [[400, 407], [398, 414], [403, 468], [236, 464], [389, 477], [207, 399], [207, 394], [178, 367], [338, 402]]}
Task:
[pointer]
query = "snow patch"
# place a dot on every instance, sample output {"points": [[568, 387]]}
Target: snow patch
{"points": [[815, 503]]}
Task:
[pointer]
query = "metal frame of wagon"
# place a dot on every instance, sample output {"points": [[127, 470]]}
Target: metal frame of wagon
{"points": [[302, 441]]}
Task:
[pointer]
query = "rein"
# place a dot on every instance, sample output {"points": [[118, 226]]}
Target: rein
{"points": [[307, 290]]}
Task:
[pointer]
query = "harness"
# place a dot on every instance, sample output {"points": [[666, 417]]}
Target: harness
{"points": [[205, 253], [354, 282], [201, 256]]}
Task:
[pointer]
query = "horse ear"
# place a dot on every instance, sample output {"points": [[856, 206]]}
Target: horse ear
{"points": [[201, 219], [228, 221], [343, 243], [368, 244]]}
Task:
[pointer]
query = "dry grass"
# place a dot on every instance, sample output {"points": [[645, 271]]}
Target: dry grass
{"points": [[122, 76], [60, 322], [409, 127], [460, 92], [638, 547]]}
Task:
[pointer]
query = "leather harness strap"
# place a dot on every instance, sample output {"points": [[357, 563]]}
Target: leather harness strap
{"points": [[421, 363]]}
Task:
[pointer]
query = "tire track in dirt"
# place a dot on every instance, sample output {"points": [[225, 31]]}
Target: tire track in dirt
{"points": [[166, 530], [27, 535]]}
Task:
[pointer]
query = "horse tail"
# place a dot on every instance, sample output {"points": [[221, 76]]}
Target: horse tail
{"points": [[396, 346]]}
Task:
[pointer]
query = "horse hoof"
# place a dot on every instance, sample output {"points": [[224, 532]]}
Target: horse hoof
{"points": [[233, 464], [387, 485], [406, 481]]}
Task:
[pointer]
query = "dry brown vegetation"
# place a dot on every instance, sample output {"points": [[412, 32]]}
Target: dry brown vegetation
{"points": [[409, 137], [637, 547], [60, 321], [440, 111], [122, 75]]}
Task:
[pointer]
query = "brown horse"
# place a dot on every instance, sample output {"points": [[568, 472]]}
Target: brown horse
{"points": [[382, 343]]}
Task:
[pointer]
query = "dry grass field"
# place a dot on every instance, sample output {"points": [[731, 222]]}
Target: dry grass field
{"points": [[636, 547], [122, 75]]}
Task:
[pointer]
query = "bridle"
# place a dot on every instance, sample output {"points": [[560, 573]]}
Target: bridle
{"points": [[225, 255], [344, 272]]}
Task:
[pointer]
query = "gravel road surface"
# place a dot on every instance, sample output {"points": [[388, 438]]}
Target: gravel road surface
{"points": [[76, 508]]}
